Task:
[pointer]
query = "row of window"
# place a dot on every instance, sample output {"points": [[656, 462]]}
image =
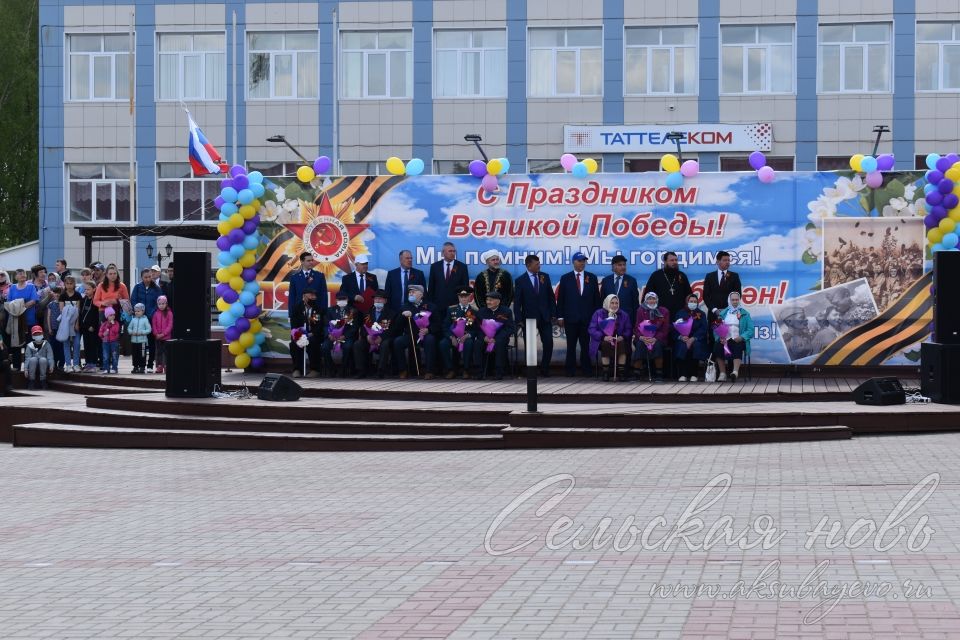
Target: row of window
{"points": [[101, 193], [472, 63]]}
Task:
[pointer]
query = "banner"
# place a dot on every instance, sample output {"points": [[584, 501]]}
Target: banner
{"points": [[834, 272], [652, 138]]}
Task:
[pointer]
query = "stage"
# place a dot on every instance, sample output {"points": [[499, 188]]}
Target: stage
{"points": [[131, 411]]}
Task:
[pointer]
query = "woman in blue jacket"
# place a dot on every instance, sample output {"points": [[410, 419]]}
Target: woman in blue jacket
{"points": [[690, 350]]}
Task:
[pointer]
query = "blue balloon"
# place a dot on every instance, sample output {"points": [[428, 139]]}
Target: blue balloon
{"points": [[932, 160], [236, 309], [228, 209], [674, 180], [505, 164], [937, 247], [415, 167], [868, 164], [251, 242], [237, 251], [225, 259], [255, 177], [226, 319], [927, 188], [252, 287], [247, 298], [258, 190], [259, 338], [245, 196], [229, 194], [950, 240], [579, 170], [254, 351]]}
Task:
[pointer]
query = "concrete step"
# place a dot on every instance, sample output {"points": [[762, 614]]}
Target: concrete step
{"points": [[559, 437]]}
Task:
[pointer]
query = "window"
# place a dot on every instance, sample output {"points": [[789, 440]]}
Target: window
{"points": [[854, 58], [660, 60], [938, 56], [470, 64], [181, 196], [282, 65], [275, 169], [640, 165], [361, 168], [98, 192], [742, 163], [553, 166], [757, 58], [451, 167], [99, 66], [376, 64], [833, 163], [565, 62], [191, 66]]}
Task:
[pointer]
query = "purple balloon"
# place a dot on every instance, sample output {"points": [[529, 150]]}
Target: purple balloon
{"points": [[934, 177], [953, 158], [478, 168], [232, 333], [934, 198], [251, 311], [322, 165], [223, 243], [248, 227], [218, 202], [885, 162], [222, 288], [249, 274], [256, 363], [950, 201], [945, 186], [230, 296], [226, 182], [930, 221], [235, 236], [943, 164], [242, 325], [237, 170], [241, 182], [757, 160], [255, 220], [938, 212]]}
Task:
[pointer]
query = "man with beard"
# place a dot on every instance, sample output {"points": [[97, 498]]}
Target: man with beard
{"points": [[670, 284], [493, 278]]}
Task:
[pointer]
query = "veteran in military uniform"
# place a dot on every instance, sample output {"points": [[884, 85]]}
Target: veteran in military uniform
{"points": [[460, 317], [502, 314]]}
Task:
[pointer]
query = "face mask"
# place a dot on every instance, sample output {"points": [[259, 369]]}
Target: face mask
{"points": [[341, 303], [691, 305], [651, 305], [412, 299], [38, 339], [378, 306]]}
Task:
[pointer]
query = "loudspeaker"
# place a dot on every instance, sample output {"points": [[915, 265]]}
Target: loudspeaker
{"points": [[193, 367], [946, 307], [940, 371], [278, 388], [880, 391], [191, 318]]}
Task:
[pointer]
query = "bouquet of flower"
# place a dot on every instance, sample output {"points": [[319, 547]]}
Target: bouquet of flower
{"points": [[648, 330], [722, 330], [422, 320], [684, 326], [490, 328], [374, 330], [337, 327], [458, 329], [300, 337], [609, 325]]}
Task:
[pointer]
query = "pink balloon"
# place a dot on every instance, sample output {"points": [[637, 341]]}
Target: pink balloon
{"points": [[874, 179], [567, 161], [766, 174], [689, 168], [489, 183]]}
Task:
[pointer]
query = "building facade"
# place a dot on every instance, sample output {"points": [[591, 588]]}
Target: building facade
{"points": [[361, 80]]}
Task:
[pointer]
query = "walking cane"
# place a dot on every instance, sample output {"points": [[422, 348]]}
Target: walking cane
{"points": [[615, 359], [649, 375], [413, 344]]}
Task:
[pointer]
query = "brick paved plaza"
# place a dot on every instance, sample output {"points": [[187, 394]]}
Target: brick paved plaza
{"points": [[197, 544]]}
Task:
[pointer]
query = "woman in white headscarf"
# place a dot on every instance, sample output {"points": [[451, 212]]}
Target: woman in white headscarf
{"points": [[610, 339], [740, 325]]}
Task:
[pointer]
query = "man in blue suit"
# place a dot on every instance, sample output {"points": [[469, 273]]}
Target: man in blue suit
{"points": [[399, 279], [578, 296], [447, 276], [306, 279], [533, 299], [626, 288]]}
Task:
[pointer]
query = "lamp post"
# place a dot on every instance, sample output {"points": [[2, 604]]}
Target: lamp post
{"points": [[879, 129], [167, 252], [530, 344], [280, 138], [676, 137], [476, 139]]}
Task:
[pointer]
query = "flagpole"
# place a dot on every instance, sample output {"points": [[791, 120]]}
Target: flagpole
{"points": [[131, 69], [236, 98], [336, 99]]}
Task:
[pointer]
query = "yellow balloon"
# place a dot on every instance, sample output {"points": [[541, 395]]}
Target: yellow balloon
{"points": [[242, 361], [247, 211], [247, 260], [395, 166], [255, 326], [235, 348], [935, 235], [236, 221], [223, 305], [235, 269], [224, 228], [591, 165], [246, 339], [236, 283], [305, 174], [669, 163], [256, 205], [494, 167], [223, 275], [954, 214], [947, 225], [855, 161]]}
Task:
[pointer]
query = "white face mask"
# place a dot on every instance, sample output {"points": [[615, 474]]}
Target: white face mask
{"points": [[412, 299], [38, 339], [691, 305], [378, 306], [651, 305], [341, 303]]}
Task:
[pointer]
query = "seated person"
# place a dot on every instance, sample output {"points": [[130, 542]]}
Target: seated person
{"points": [[690, 351], [306, 325], [421, 338], [450, 343], [740, 325], [39, 359], [340, 331], [652, 332], [610, 339], [502, 314], [380, 318]]}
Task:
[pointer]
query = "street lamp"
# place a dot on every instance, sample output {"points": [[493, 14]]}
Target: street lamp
{"points": [[476, 139], [879, 129], [676, 137], [167, 252], [280, 138]]}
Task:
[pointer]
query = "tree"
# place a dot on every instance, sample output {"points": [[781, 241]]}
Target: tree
{"points": [[19, 122]]}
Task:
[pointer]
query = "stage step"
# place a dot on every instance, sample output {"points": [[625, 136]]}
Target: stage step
{"points": [[553, 438], [45, 434], [105, 385]]}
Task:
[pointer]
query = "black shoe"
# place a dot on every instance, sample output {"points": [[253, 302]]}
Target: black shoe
{"points": [[733, 377], [43, 385], [606, 376], [30, 385], [499, 376], [380, 375]]}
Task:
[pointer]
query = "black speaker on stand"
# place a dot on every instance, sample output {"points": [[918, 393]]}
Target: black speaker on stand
{"points": [[193, 359], [193, 368], [880, 391], [940, 359]]}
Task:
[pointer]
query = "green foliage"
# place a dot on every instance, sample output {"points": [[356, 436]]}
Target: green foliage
{"points": [[912, 356], [809, 257], [19, 122]]}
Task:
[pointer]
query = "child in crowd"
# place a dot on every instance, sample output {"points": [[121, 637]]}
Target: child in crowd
{"points": [[110, 337], [39, 359], [139, 330], [52, 323], [90, 329], [162, 325], [68, 334]]}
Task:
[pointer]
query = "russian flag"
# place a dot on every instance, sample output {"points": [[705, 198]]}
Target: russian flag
{"points": [[203, 157]]}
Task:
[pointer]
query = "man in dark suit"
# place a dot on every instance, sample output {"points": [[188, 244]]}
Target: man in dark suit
{"points": [[306, 279], [383, 315], [450, 343], [578, 296], [399, 279], [307, 317], [502, 314], [410, 336], [718, 284], [345, 317], [671, 285], [360, 285], [447, 276], [534, 299]]}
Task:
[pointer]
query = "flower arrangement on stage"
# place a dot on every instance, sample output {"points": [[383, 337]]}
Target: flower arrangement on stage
{"points": [[685, 326], [460, 325], [722, 331], [490, 328], [375, 330], [422, 320], [337, 327], [609, 325], [648, 329]]}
